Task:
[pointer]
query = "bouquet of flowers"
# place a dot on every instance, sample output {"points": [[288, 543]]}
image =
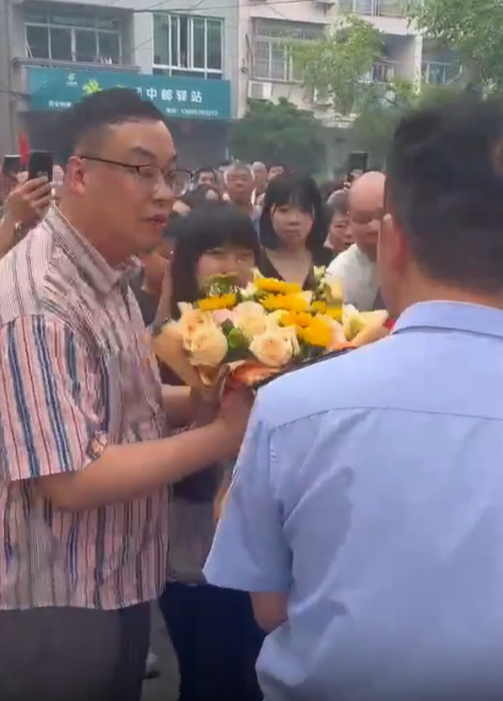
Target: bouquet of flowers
{"points": [[246, 336]]}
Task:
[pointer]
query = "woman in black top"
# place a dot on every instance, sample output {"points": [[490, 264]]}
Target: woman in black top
{"points": [[213, 631], [293, 229]]}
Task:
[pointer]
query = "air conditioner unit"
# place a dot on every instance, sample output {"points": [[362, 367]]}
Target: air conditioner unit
{"points": [[259, 91]]}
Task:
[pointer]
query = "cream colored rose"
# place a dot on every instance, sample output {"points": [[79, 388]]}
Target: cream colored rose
{"points": [[207, 346], [250, 318], [275, 348], [191, 321]]}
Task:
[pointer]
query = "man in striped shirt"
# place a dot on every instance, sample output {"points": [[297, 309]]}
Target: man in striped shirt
{"points": [[84, 457]]}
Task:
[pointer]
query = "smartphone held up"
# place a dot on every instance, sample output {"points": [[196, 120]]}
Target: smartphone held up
{"points": [[40, 165], [358, 163]]}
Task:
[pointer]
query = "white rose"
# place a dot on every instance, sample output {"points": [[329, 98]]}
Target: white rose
{"points": [[207, 346], [250, 318], [352, 321], [191, 321], [275, 348]]}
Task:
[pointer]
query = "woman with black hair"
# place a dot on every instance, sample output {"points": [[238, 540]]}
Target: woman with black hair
{"points": [[213, 630], [293, 230], [215, 239]]}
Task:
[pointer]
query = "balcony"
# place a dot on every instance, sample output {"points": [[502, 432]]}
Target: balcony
{"points": [[374, 8]]}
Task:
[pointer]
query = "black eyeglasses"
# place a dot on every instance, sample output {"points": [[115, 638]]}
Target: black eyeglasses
{"points": [[150, 177]]}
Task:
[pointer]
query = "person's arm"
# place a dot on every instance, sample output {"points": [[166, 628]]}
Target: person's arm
{"points": [[178, 405], [7, 234], [24, 206], [250, 552], [53, 430]]}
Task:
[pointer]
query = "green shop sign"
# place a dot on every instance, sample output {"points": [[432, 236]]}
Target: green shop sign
{"points": [[185, 98]]}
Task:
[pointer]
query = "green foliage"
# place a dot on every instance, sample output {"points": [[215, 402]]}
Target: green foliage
{"points": [[278, 133], [473, 28], [373, 128], [335, 64]]}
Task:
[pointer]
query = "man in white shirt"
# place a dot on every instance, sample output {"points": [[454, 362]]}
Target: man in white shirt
{"points": [[356, 266]]}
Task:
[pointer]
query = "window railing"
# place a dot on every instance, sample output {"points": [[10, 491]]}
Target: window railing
{"points": [[374, 8]]}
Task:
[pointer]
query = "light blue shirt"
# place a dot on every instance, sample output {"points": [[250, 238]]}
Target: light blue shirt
{"points": [[370, 489]]}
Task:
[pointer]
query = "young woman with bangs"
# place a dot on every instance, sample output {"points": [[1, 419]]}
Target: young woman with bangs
{"points": [[293, 230], [213, 630]]}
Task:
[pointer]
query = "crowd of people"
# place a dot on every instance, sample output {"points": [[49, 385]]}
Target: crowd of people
{"points": [[358, 555]]}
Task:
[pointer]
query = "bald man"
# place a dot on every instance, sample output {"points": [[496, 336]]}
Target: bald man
{"points": [[356, 266]]}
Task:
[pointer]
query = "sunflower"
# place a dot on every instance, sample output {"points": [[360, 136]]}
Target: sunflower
{"points": [[302, 319], [317, 334], [271, 285], [288, 303], [210, 304]]}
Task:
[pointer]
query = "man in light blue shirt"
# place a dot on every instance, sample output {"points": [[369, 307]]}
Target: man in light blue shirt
{"points": [[366, 511]]}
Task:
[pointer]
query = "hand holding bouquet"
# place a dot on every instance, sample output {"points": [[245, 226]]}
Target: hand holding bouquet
{"points": [[246, 336]]}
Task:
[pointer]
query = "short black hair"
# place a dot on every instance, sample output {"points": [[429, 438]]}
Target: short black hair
{"points": [[84, 123], [444, 187], [205, 229], [204, 169], [300, 191]]}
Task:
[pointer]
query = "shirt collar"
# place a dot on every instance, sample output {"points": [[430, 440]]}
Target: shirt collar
{"points": [[452, 316], [90, 263]]}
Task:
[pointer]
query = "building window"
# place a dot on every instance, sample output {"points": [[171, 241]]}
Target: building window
{"points": [[373, 8], [70, 37], [188, 46], [271, 56], [438, 72]]}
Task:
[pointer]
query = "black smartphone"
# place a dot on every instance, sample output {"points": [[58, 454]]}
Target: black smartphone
{"points": [[11, 165], [40, 165], [358, 162]]}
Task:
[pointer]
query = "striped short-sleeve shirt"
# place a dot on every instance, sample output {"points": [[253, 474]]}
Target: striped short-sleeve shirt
{"points": [[76, 375]]}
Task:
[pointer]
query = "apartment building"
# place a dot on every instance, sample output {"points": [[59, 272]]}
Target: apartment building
{"points": [[267, 71], [182, 54]]}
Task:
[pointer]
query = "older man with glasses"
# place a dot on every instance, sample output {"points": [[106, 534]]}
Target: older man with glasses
{"points": [[356, 267]]}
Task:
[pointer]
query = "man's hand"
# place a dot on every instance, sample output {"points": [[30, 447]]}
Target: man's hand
{"points": [[234, 413], [27, 203]]}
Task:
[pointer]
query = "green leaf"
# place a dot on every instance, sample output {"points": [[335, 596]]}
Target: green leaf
{"points": [[472, 28], [336, 64], [237, 343]]}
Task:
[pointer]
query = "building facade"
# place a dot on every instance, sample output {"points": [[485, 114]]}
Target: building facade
{"points": [[184, 59], [267, 70]]}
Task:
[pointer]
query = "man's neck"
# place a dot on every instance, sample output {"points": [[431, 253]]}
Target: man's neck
{"points": [[88, 230]]}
